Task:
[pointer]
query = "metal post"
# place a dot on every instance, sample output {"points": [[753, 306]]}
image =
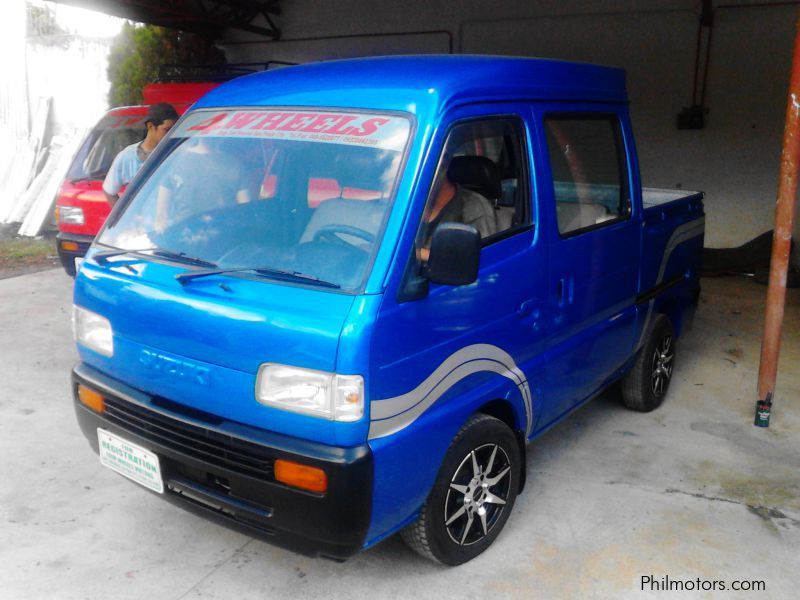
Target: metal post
{"points": [[781, 243]]}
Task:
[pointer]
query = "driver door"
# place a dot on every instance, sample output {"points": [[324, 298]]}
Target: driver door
{"points": [[452, 333]]}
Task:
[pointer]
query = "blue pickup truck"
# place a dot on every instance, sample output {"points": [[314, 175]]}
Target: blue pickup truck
{"points": [[341, 298]]}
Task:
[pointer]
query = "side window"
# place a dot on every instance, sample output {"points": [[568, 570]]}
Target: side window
{"points": [[481, 181], [590, 180]]}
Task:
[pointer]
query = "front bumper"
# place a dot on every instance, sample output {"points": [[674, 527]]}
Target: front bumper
{"points": [[223, 470], [79, 245]]}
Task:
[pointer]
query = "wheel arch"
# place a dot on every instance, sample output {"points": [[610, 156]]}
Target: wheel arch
{"points": [[504, 411], [672, 308]]}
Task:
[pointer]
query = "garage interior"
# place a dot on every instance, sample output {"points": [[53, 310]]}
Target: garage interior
{"points": [[691, 490]]}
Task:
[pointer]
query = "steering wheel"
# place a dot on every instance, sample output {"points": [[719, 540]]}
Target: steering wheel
{"points": [[332, 233]]}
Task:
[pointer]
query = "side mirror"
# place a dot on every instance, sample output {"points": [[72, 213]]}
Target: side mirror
{"points": [[454, 254]]}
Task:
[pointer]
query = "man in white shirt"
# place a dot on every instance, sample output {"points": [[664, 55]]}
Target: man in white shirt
{"points": [[160, 119]]}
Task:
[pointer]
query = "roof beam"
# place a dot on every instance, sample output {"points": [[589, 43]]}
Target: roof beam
{"points": [[205, 17]]}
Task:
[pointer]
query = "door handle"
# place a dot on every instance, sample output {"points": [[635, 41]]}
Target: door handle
{"points": [[565, 290], [528, 308], [561, 291], [525, 308]]}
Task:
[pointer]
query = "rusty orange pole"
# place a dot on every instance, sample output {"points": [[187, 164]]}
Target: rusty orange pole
{"points": [[781, 243]]}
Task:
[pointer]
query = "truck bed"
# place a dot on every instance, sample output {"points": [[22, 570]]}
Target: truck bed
{"points": [[658, 196], [672, 250]]}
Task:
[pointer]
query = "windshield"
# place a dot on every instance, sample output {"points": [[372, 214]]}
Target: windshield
{"points": [[293, 191], [111, 135]]}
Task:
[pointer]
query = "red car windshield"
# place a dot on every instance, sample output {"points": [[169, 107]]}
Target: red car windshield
{"points": [[112, 134]]}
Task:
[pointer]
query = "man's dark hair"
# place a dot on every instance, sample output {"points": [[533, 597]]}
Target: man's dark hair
{"points": [[160, 112]]}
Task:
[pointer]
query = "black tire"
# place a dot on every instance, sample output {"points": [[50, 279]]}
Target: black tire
{"points": [[646, 385], [459, 494]]}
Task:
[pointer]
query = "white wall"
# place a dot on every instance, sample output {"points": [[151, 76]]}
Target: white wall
{"points": [[13, 83], [73, 73], [734, 159]]}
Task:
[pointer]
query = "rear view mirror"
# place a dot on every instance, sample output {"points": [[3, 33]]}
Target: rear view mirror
{"points": [[454, 254]]}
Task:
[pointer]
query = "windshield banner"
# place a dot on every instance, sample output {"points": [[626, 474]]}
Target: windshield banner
{"points": [[385, 131]]}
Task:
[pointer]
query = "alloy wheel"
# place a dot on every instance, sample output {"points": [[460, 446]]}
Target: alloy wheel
{"points": [[478, 493], [662, 366]]}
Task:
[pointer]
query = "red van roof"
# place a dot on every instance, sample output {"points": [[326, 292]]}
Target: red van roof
{"points": [[176, 93]]}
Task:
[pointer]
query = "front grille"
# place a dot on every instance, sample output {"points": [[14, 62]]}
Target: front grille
{"points": [[204, 444]]}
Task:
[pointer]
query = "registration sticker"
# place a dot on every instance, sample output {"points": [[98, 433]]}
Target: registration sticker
{"points": [[130, 460]]}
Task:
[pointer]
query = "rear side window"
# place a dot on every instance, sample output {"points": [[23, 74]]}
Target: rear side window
{"points": [[590, 180]]}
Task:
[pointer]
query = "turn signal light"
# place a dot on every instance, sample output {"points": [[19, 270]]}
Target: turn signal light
{"points": [[91, 399], [301, 476], [70, 246]]}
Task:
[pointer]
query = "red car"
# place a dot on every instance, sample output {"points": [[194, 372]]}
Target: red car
{"points": [[81, 206]]}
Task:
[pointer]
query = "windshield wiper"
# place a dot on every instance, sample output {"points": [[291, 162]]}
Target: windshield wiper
{"points": [[184, 258], [263, 271], [102, 257]]}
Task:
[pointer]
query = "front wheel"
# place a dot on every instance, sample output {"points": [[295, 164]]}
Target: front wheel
{"points": [[473, 495]]}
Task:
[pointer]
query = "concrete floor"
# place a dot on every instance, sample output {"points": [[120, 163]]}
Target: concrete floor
{"points": [[692, 490]]}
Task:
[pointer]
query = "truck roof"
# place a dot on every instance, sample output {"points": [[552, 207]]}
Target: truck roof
{"points": [[416, 83]]}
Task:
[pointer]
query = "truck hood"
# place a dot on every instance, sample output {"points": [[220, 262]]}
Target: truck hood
{"points": [[201, 344]]}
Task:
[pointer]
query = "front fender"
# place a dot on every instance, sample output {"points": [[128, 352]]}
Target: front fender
{"points": [[407, 461]]}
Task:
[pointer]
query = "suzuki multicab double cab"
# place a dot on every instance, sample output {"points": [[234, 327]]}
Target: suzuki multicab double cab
{"points": [[323, 372]]}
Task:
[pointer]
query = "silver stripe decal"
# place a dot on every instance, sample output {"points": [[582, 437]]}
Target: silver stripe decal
{"points": [[393, 414], [682, 233], [390, 415]]}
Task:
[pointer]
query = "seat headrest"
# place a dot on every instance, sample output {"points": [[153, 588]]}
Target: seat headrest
{"points": [[476, 173]]}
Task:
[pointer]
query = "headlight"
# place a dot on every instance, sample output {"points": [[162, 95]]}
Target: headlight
{"points": [[70, 215], [317, 393], [93, 331]]}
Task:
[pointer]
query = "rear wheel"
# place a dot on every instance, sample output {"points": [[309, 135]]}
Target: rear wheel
{"points": [[646, 385], [473, 495]]}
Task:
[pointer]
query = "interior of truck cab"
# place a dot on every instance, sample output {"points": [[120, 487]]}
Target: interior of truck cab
{"points": [[242, 202], [483, 159], [585, 153]]}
